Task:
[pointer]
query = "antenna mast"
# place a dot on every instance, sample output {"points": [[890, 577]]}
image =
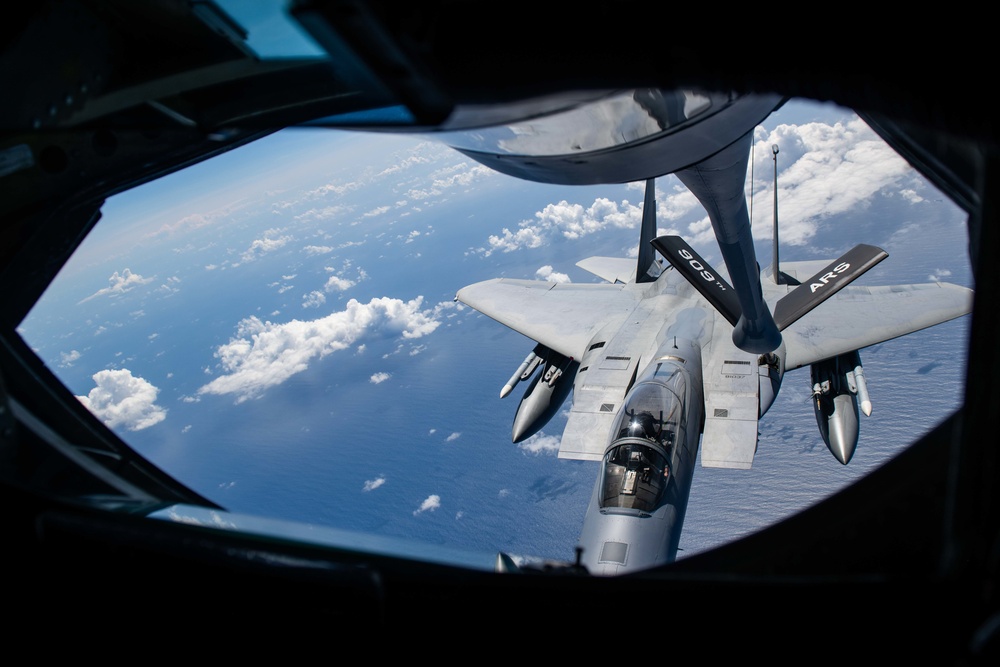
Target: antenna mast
{"points": [[776, 271]]}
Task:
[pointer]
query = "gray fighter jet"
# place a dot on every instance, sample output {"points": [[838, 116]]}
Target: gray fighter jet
{"points": [[654, 363]]}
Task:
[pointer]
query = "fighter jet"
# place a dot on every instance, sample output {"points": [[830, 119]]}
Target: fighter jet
{"points": [[652, 361]]}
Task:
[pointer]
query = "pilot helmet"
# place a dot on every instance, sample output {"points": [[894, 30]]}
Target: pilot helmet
{"points": [[642, 425]]}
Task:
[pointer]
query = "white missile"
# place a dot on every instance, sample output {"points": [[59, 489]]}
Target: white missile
{"points": [[862, 386], [519, 374]]}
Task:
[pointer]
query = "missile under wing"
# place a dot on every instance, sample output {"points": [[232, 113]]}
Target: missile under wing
{"points": [[656, 373]]}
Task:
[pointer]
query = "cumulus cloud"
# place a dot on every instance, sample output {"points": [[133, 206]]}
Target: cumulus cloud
{"points": [[830, 169], [403, 165], [262, 246], [120, 283], [333, 188], [824, 170], [265, 354], [571, 221], [379, 378], [338, 284], [541, 444], [375, 212], [546, 273], [432, 503], [67, 358], [372, 484], [314, 299], [460, 175], [121, 400], [939, 275], [453, 437], [317, 249]]}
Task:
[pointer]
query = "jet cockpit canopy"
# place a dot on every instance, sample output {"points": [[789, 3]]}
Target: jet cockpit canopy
{"points": [[637, 466]]}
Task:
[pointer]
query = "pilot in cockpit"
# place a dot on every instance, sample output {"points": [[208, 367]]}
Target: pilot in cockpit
{"points": [[643, 425]]}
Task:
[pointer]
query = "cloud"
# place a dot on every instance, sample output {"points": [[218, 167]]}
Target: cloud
{"points": [[120, 283], [314, 299], [939, 275], [373, 484], [432, 503], [379, 378], [325, 213], [264, 354], [334, 188], [405, 164], [317, 249], [546, 273], [541, 444], [67, 358], [262, 246], [453, 437], [824, 170], [375, 212], [571, 221], [465, 176], [119, 399], [336, 283]]}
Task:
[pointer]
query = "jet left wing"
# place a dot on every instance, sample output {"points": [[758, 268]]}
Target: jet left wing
{"points": [[857, 317]]}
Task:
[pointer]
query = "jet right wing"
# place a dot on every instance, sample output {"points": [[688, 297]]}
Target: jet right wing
{"points": [[561, 316]]}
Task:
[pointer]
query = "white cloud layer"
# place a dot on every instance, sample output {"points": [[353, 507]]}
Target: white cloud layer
{"points": [[121, 400], [264, 354], [572, 221], [379, 378], [824, 170]]}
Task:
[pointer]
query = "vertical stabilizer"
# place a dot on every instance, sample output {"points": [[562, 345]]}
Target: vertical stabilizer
{"points": [[645, 271]]}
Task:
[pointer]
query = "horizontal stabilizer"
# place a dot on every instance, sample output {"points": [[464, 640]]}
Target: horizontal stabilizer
{"points": [[612, 269], [701, 275], [825, 283]]}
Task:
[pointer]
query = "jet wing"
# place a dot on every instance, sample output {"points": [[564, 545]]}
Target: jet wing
{"points": [[857, 317], [561, 316]]}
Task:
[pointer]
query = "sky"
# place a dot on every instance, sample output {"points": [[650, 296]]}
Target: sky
{"points": [[276, 328]]}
